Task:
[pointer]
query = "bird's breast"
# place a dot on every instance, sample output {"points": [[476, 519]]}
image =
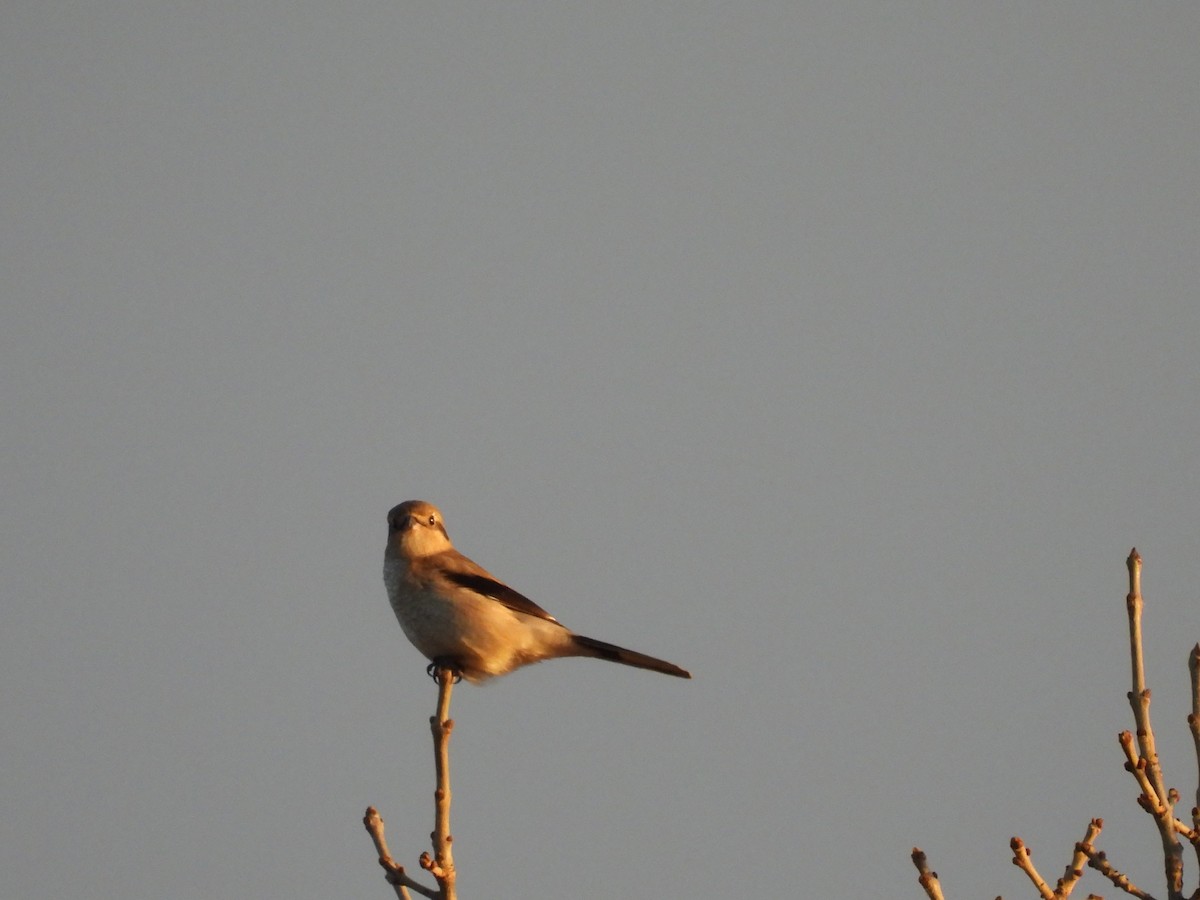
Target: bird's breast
{"points": [[446, 620]]}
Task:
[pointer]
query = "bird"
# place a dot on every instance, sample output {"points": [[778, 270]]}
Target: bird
{"points": [[463, 618]]}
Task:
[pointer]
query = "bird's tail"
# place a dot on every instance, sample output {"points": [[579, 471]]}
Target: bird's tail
{"points": [[599, 649]]}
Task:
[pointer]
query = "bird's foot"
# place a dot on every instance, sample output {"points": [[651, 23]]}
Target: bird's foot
{"points": [[434, 669]]}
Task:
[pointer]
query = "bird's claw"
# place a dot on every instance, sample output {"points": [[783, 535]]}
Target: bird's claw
{"points": [[438, 665]]}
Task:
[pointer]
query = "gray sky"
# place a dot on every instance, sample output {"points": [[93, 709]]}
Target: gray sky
{"points": [[837, 352]]}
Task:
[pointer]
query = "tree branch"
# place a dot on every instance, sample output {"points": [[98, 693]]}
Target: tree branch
{"points": [[1074, 872], [1141, 761], [1155, 799], [1099, 861], [1024, 860], [1194, 724], [929, 880], [441, 864], [396, 875]]}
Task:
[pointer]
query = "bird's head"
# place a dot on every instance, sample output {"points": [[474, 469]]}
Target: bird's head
{"points": [[415, 529]]}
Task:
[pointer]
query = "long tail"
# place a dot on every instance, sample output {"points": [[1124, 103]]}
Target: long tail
{"points": [[601, 650]]}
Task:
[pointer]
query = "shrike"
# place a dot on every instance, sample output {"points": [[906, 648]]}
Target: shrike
{"points": [[460, 617]]}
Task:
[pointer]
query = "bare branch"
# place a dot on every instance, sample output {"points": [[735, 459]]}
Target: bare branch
{"points": [[441, 865], [395, 872], [1023, 859], [1194, 724], [1136, 766], [1158, 801], [1098, 861], [1074, 872], [928, 880], [1139, 697], [1142, 762]]}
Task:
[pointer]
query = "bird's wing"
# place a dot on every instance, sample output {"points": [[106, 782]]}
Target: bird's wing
{"points": [[482, 583]]}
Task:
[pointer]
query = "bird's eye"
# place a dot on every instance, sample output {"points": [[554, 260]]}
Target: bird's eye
{"points": [[432, 521]]}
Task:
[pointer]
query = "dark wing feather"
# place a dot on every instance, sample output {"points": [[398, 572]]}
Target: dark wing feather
{"points": [[490, 587]]}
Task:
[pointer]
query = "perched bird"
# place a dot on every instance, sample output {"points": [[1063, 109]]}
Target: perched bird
{"points": [[460, 617]]}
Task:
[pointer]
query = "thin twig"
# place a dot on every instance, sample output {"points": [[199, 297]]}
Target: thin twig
{"points": [[1160, 806], [1074, 871], [1142, 762], [1139, 697], [1194, 724], [1136, 766], [396, 875], [441, 864], [1098, 861], [1024, 861], [929, 880]]}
